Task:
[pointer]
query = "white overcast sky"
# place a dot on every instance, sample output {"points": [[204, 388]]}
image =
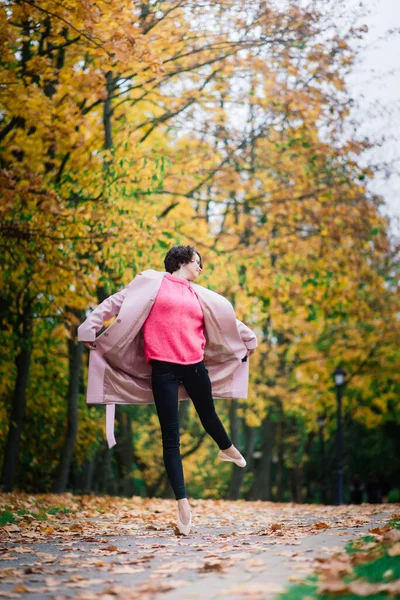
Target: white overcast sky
{"points": [[375, 86]]}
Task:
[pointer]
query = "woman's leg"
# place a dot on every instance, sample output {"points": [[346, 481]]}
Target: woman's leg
{"points": [[165, 382], [198, 386]]}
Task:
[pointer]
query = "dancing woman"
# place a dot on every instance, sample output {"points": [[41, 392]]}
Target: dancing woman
{"points": [[169, 333]]}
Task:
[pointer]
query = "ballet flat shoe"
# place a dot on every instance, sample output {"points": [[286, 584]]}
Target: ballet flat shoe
{"points": [[184, 529], [240, 462]]}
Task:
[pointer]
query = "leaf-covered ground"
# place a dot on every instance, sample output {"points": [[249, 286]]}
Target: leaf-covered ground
{"points": [[103, 548]]}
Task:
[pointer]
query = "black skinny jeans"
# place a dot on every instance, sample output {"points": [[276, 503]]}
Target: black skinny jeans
{"points": [[165, 380]]}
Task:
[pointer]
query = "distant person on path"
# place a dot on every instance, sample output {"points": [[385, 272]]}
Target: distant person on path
{"points": [[170, 332]]}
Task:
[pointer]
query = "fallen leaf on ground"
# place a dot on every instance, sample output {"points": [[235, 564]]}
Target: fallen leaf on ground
{"points": [[365, 588], [22, 550], [391, 537], [211, 566], [332, 586], [22, 589]]}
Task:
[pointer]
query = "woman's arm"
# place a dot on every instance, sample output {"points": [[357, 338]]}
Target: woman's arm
{"points": [[104, 311]]}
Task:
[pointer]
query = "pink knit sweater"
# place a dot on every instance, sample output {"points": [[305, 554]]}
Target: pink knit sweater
{"points": [[174, 329]]}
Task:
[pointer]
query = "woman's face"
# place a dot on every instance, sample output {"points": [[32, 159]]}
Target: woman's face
{"points": [[193, 267]]}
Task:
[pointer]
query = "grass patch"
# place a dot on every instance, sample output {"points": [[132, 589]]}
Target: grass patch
{"points": [[6, 517], [370, 565], [353, 597], [54, 510], [352, 547], [306, 592], [300, 591], [9, 516], [375, 571], [395, 521]]}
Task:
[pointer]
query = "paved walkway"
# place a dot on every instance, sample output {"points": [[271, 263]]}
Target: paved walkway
{"points": [[237, 550]]}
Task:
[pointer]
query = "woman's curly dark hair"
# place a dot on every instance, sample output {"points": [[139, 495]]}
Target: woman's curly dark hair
{"points": [[177, 256]]}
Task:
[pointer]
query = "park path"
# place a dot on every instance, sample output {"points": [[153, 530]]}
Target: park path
{"points": [[237, 550]]}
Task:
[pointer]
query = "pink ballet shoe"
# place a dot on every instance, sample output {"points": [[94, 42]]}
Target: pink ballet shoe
{"points": [[240, 462], [184, 529]]}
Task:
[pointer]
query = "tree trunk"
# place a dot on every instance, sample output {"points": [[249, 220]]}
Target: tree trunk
{"points": [[161, 484], [108, 481], [101, 470], [124, 451], [75, 353], [299, 483], [234, 435], [81, 479], [88, 472], [167, 491], [238, 473], [261, 489], [22, 362], [280, 451], [295, 477], [234, 422], [107, 112]]}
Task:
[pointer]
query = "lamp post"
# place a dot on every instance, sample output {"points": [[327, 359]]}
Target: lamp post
{"points": [[339, 377]]}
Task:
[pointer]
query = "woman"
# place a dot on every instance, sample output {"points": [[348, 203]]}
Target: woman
{"points": [[176, 326]]}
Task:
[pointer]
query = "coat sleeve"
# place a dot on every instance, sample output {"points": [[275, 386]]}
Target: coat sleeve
{"points": [[248, 336], [104, 311]]}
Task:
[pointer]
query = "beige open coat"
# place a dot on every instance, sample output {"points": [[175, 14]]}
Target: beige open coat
{"points": [[118, 372]]}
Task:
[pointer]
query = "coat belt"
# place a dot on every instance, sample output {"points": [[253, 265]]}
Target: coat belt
{"points": [[110, 418]]}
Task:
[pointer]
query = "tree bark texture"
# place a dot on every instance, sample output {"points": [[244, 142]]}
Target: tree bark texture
{"points": [[22, 363], [75, 353]]}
